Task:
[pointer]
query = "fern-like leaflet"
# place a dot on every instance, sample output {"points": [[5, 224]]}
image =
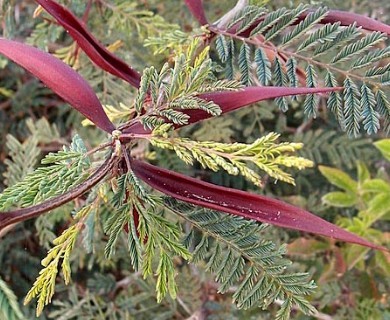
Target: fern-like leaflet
{"points": [[298, 52], [235, 252]]}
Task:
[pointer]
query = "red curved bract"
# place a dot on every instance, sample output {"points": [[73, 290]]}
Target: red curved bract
{"points": [[240, 203], [60, 78], [89, 44], [232, 100]]}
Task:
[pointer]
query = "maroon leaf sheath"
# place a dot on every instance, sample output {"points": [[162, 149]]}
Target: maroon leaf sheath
{"points": [[89, 44], [196, 8], [240, 203], [59, 77], [233, 100]]}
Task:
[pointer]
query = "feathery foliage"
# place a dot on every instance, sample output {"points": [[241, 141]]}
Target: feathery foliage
{"points": [[149, 235], [63, 170], [264, 153], [43, 288], [234, 251], [175, 89], [23, 157], [9, 308], [122, 240], [331, 147], [311, 54]]}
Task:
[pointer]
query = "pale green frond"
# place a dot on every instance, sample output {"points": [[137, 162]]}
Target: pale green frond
{"points": [[265, 153], [44, 286], [64, 170], [114, 227], [143, 88], [175, 116], [167, 41]]}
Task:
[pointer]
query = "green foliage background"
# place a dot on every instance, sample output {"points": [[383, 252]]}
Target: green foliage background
{"points": [[34, 122]]}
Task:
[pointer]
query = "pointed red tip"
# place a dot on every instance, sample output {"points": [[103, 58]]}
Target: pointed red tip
{"points": [[236, 202], [89, 44], [347, 18], [59, 77], [196, 8]]}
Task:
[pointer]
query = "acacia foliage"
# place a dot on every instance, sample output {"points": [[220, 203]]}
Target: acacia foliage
{"points": [[113, 229]]}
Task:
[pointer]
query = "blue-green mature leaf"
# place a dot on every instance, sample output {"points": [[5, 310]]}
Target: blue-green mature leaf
{"points": [[370, 115]]}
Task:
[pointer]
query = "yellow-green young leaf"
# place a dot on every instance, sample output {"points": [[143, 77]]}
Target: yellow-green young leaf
{"points": [[339, 179], [363, 173], [355, 256], [382, 260], [384, 147], [376, 186], [340, 199], [380, 205]]}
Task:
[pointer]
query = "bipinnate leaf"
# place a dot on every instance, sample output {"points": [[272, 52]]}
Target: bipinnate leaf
{"points": [[59, 77], [89, 44], [233, 100], [347, 18], [196, 8], [240, 203]]}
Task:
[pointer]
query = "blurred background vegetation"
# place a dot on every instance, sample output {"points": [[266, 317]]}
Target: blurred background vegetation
{"points": [[353, 284]]}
